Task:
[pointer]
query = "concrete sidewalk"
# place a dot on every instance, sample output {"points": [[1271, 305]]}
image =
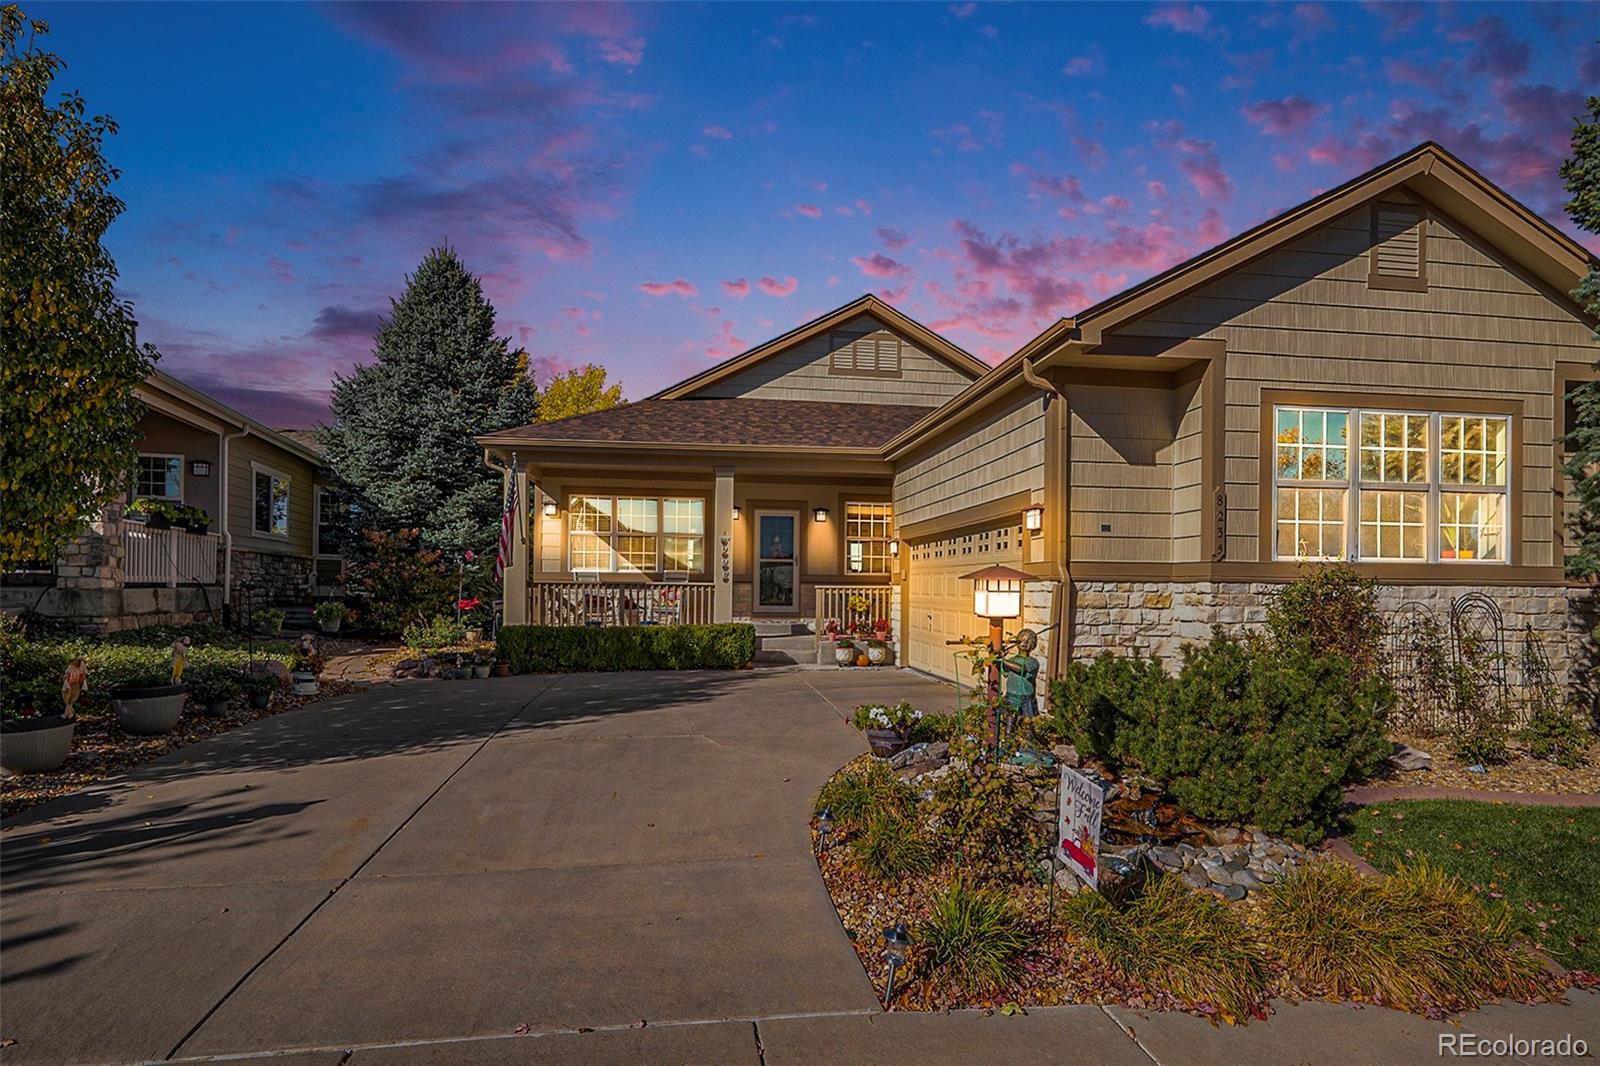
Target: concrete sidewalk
{"points": [[425, 872]]}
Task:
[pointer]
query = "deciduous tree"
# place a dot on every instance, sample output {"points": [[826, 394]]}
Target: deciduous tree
{"points": [[69, 360], [1581, 174], [578, 392]]}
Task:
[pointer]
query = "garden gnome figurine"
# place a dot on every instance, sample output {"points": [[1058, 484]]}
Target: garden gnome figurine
{"points": [[1021, 672], [74, 682], [180, 658]]}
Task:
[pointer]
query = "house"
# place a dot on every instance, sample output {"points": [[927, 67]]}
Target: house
{"points": [[270, 525], [1375, 375]]}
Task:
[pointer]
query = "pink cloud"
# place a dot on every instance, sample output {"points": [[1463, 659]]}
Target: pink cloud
{"points": [[1156, 190], [773, 287], [725, 345], [1078, 66], [737, 288], [808, 210], [964, 138], [864, 206], [893, 239], [720, 133], [878, 265], [963, 11], [680, 287], [1497, 52], [1191, 19], [1288, 117], [1400, 17], [623, 53], [1048, 186], [1199, 163]]}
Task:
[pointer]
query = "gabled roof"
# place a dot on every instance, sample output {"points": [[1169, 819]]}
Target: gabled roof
{"points": [[160, 389], [1428, 170], [938, 346], [727, 423]]}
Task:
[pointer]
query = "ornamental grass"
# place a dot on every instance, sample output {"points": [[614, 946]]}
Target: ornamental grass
{"points": [[854, 794], [972, 939], [892, 847], [1418, 940]]}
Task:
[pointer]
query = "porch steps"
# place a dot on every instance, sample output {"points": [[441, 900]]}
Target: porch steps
{"points": [[298, 619], [783, 643]]}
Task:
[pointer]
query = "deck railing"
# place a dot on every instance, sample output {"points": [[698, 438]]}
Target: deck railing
{"points": [[834, 601], [169, 556], [588, 603]]}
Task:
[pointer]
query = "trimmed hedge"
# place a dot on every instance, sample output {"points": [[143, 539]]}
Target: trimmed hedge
{"points": [[580, 649]]}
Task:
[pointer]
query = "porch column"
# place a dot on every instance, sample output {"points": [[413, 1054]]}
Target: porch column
{"points": [[515, 589], [722, 557]]}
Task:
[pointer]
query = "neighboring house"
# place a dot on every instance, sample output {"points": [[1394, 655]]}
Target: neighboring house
{"points": [[271, 537], [1376, 375]]}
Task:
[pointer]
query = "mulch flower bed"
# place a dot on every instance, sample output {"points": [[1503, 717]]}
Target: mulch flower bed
{"points": [[1521, 774], [101, 749]]}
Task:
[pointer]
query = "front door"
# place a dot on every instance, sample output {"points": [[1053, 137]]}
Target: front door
{"points": [[777, 557]]}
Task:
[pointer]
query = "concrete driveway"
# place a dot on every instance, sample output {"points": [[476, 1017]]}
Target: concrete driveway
{"points": [[592, 868]]}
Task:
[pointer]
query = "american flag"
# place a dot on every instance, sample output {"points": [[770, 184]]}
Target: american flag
{"points": [[508, 522]]}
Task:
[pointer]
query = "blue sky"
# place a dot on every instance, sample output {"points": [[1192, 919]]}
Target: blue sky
{"points": [[657, 187]]}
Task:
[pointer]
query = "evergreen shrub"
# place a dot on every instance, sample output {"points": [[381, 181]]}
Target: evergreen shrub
{"points": [[579, 649]]}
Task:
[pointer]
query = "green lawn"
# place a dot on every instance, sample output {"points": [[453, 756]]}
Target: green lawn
{"points": [[1543, 861]]}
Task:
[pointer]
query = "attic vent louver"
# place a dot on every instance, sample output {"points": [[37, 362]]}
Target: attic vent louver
{"points": [[876, 354], [1399, 248]]}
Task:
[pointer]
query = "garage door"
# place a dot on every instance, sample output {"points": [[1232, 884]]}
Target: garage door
{"points": [[939, 604]]}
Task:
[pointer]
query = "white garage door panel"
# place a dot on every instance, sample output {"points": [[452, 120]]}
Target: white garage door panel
{"points": [[939, 603]]}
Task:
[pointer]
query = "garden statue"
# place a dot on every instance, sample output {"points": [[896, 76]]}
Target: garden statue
{"points": [[1021, 673], [180, 658], [74, 683]]}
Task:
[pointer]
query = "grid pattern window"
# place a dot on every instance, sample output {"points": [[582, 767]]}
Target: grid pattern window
{"points": [[1423, 487], [271, 504], [868, 529], [330, 517], [160, 476], [635, 534]]}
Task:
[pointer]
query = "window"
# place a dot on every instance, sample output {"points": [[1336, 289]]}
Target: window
{"points": [[867, 532], [1399, 248], [636, 533], [1423, 487], [330, 517], [271, 503], [160, 476], [864, 353]]}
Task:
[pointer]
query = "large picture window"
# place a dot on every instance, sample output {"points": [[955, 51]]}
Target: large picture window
{"points": [[639, 534], [160, 476], [867, 532], [271, 503], [1422, 487]]}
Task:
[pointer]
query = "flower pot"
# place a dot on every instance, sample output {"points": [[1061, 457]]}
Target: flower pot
{"points": [[886, 742], [844, 653], [502, 669], [260, 700], [332, 627], [34, 745], [148, 710], [157, 521], [475, 635], [305, 683], [877, 654], [216, 709], [480, 671]]}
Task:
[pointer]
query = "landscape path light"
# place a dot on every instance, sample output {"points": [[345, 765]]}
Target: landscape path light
{"points": [[896, 942], [997, 596], [824, 826]]}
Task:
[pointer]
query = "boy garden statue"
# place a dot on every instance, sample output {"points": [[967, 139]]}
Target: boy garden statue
{"points": [[1021, 673]]}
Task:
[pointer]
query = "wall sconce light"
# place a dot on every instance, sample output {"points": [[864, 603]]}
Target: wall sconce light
{"points": [[894, 549], [820, 514], [737, 514], [199, 468], [550, 508], [1033, 518]]}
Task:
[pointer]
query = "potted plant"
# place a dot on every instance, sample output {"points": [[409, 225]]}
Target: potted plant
{"points": [[502, 668], [467, 609], [330, 615], [880, 629], [34, 735], [888, 728], [259, 688], [214, 690], [157, 514], [877, 651], [148, 704], [481, 665], [304, 673], [844, 653], [194, 519], [269, 620]]}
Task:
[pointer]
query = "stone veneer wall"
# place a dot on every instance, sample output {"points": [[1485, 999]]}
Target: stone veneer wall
{"points": [[1158, 618], [279, 579]]}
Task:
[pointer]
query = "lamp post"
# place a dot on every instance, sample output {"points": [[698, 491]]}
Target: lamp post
{"points": [[997, 596], [896, 941]]}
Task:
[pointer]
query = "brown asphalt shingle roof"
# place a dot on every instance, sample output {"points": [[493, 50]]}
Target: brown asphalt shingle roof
{"points": [[744, 420]]}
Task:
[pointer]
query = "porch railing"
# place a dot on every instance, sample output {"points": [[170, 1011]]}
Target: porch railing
{"points": [[834, 601], [169, 556], [581, 603]]}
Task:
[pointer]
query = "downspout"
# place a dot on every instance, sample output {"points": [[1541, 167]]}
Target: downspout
{"points": [[1060, 616], [222, 506]]}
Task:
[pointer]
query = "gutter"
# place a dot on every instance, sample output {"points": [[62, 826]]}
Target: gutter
{"points": [[222, 506], [1060, 616]]}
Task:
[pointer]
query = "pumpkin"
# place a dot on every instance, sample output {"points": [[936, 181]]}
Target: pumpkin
{"points": [[861, 660]]}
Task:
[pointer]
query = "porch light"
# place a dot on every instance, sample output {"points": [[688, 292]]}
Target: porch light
{"points": [[737, 514], [1033, 518], [894, 549], [199, 468], [820, 514], [996, 592], [550, 508], [896, 942]]}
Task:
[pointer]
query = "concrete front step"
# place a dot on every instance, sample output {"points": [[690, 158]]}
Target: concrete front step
{"points": [[800, 645], [781, 629]]}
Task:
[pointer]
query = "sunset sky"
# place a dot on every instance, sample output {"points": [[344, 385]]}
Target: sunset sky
{"points": [[655, 188]]}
